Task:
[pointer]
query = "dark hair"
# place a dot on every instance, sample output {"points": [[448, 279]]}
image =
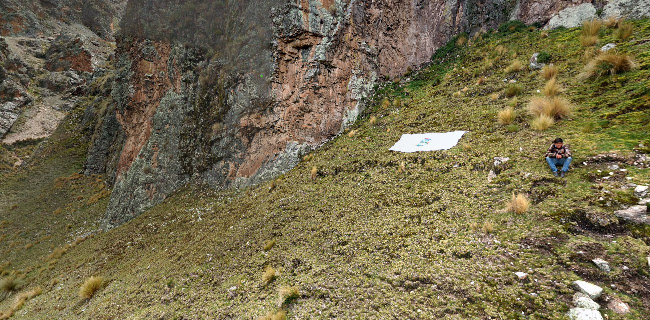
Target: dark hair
{"points": [[558, 140]]}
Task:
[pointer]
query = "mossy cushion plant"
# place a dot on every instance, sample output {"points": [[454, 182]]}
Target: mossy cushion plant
{"points": [[361, 232]]}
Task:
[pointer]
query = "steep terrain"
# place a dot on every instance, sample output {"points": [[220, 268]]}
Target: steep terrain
{"points": [[243, 89], [360, 231]]}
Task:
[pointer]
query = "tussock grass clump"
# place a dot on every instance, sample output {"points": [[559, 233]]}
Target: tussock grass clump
{"points": [[269, 244], [542, 123], [90, 287], [624, 31], [551, 89], [612, 22], [488, 227], [513, 90], [278, 315], [494, 96], [19, 302], [352, 133], [373, 120], [57, 253], [608, 63], [590, 29], [549, 71], [515, 66], [480, 81], [506, 116], [314, 173], [9, 284], [518, 204], [288, 294], [269, 275], [554, 108], [402, 167]]}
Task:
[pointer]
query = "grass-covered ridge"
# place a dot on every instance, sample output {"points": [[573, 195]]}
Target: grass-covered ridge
{"points": [[357, 231]]}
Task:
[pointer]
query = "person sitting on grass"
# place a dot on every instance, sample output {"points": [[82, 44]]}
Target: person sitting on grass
{"points": [[558, 154]]}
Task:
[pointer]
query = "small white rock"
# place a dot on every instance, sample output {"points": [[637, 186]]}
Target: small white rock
{"points": [[581, 300], [521, 275], [602, 264], [640, 191], [584, 314], [592, 290]]}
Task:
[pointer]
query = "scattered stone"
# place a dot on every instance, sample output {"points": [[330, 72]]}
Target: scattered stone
{"points": [[581, 300], [618, 306], [592, 290], [608, 47], [584, 314], [640, 191], [613, 167], [601, 264], [534, 64], [491, 176], [644, 202], [636, 214], [521, 275]]}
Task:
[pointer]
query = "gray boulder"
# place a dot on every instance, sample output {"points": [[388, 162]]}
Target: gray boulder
{"points": [[636, 214], [534, 64], [630, 9], [572, 17], [602, 264]]}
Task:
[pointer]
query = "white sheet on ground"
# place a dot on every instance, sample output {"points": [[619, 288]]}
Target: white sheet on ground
{"points": [[427, 141]]}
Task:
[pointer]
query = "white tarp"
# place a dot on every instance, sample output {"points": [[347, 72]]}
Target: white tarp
{"points": [[427, 141]]}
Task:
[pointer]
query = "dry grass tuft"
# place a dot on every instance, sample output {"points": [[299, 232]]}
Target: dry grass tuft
{"points": [[8, 285], [494, 96], [555, 107], [352, 133], [90, 287], [542, 123], [587, 41], [518, 204], [308, 157], [57, 253], [543, 34], [314, 173], [506, 116], [624, 31], [549, 71], [279, 315], [269, 275], [402, 167], [385, 103], [515, 66], [608, 63], [373, 120], [269, 245], [551, 89], [288, 294], [487, 227], [19, 302], [612, 22], [480, 81], [591, 27], [461, 40]]}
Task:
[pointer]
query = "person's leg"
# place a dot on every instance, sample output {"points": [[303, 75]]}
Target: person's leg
{"points": [[565, 165], [551, 163]]}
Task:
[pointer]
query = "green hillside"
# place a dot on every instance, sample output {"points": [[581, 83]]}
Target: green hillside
{"points": [[362, 232]]}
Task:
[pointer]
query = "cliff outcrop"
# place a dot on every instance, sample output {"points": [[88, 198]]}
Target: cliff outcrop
{"points": [[229, 94]]}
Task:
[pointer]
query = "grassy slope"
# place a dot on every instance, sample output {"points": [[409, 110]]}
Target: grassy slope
{"points": [[367, 241]]}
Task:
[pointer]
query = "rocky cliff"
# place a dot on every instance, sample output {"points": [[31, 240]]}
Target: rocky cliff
{"points": [[230, 93]]}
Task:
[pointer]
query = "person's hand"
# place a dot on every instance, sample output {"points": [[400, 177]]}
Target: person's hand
{"points": [[558, 156]]}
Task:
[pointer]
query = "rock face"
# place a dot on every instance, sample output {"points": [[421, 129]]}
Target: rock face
{"points": [[31, 18], [573, 16], [247, 96], [591, 290], [636, 214]]}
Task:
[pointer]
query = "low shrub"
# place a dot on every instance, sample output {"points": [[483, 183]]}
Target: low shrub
{"points": [[544, 57], [513, 90], [269, 275]]}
